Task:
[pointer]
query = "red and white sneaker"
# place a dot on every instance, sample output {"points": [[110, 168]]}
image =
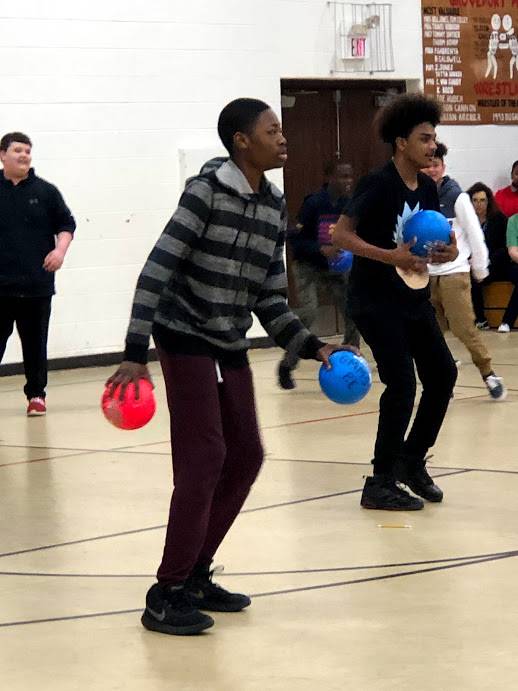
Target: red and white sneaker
{"points": [[36, 407]]}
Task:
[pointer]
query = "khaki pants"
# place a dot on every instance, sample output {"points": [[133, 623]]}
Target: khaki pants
{"points": [[451, 298]]}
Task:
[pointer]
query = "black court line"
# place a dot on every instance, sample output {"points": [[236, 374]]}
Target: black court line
{"points": [[127, 448], [477, 387], [159, 527], [282, 572], [331, 496], [49, 458], [56, 385], [137, 446], [259, 362], [458, 385], [65, 448], [368, 463], [81, 541], [47, 448], [76, 452], [289, 591], [507, 555], [69, 618]]}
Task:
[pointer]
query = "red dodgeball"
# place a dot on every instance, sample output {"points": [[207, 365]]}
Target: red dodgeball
{"points": [[130, 413]]}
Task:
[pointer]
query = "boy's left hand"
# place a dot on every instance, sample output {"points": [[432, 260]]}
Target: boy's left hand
{"points": [[441, 253], [326, 350], [54, 260]]}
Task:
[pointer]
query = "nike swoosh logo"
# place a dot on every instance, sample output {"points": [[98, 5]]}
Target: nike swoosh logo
{"points": [[198, 594], [159, 616]]}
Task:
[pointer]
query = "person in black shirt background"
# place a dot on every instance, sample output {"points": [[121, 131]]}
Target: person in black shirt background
{"points": [[36, 228], [389, 300], [312, 251]]}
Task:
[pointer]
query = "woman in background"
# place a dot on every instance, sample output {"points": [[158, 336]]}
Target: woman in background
{"points": [[501, 268]]}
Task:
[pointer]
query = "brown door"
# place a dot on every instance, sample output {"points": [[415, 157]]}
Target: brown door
{"points": [[323, 120]]}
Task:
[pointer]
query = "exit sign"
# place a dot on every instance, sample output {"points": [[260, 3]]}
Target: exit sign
{"points": [[358, 47]]}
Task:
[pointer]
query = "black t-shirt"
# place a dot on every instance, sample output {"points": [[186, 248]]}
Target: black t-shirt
{"points": [[381, 204]]}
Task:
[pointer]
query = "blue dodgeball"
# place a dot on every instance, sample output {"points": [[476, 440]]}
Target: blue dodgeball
{"points": [[342, 262], [428, 227], [348, 380]]}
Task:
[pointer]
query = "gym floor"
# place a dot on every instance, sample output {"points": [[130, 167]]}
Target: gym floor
{"points": [[344, 598]]}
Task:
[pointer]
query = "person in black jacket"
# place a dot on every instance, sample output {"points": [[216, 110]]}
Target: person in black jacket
{"points": [[36, 228], [501, 268], [314, 252]]}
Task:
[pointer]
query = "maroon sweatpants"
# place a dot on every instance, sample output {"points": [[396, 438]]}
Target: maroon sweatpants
{"points": [[217, 454]]}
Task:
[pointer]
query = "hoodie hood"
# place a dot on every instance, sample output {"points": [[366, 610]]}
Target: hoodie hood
{"points": [[220, 258], [449, 191], [230, 176]]}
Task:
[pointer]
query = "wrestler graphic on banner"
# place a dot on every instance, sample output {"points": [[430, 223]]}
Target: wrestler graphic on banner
{"points": [[513, 62], [494, 40], [504, 40]]}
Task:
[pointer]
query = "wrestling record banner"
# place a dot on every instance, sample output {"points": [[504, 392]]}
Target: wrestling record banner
{"points": [[470, 59]]}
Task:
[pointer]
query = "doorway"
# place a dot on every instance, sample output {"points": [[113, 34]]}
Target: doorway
{"points": [[325, 120]]}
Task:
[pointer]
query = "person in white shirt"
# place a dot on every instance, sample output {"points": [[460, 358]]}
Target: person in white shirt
{"points": [[451, 283]]}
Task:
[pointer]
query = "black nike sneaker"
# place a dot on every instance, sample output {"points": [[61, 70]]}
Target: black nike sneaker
{"points": [[382, 492], [168, 610], [415, 476], [203, 593]]}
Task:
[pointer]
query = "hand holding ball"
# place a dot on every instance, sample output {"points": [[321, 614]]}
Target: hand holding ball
{"points": [[428, 228], [131, 412], [348, 380]]}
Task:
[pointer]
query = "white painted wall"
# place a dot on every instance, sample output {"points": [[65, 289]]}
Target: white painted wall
{"points": [[111, 92]]}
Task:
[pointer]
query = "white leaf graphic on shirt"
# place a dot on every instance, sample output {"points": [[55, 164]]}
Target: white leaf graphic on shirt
{"points": [[401, 220]]}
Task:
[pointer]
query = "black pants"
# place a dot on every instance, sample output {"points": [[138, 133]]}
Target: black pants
{"points": [[397, 343], [31, 316], [507, 272]]}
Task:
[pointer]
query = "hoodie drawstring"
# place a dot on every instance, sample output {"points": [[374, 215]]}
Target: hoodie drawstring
{"points": [[218, 372]]}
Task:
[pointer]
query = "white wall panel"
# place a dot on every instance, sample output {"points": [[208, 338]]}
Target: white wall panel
{"points": [[112, 92]]}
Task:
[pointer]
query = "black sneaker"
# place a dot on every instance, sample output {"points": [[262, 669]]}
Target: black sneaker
{"points": [[284, 377], [203, 593], [168, 610], [382, 492], [415, 476]]}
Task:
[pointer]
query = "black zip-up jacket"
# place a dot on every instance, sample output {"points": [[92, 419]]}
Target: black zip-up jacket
{"points": [[32, 213]]}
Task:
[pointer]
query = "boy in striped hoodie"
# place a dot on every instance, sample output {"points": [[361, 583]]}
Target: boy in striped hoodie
{"points": [[219, 259]]}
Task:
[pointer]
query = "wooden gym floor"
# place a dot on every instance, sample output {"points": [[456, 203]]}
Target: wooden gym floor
{"points": [[343, 598]]}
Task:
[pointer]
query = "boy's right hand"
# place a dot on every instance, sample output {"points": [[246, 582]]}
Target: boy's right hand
{"points": [[329, 348], [329, 251], [126, 373], [404, 259]]}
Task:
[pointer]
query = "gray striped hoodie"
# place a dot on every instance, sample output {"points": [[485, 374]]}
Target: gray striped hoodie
{"points": [[219, 259]]}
